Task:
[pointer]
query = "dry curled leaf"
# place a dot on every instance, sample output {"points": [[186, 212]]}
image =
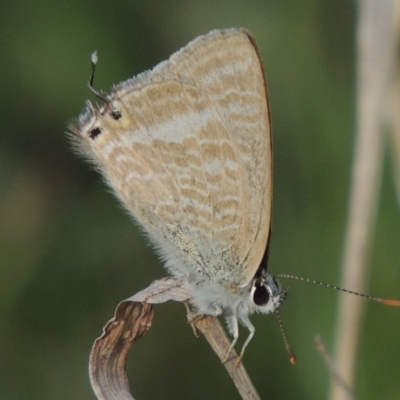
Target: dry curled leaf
{"points": [[161, 291], [133, 318]]}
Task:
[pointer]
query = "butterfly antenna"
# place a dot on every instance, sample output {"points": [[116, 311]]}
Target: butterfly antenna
{"points": [[291, 353], [389, 302], [99, 95]]}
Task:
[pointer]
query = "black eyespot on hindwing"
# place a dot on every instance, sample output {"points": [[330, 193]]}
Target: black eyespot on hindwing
{"points": [[94, 133], [116, 114]]}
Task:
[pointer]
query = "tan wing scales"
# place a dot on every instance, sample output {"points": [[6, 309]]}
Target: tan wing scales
{"points": [[191, 155]]}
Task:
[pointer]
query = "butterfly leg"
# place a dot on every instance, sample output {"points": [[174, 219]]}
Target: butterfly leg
{"points": [[234, 329], [247, 323]]}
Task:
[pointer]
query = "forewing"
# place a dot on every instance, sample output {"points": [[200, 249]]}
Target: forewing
{"points": [[189, 155]]}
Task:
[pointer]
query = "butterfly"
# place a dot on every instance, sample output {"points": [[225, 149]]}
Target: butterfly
{"points": [[187, 149]]}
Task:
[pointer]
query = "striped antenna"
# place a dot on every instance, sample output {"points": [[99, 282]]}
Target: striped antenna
{"points": [[291, 353], [389, 302]]}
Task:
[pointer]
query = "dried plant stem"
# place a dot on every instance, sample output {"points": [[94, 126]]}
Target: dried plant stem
{"points": [[395, 131], [374, 67], [332, 367], [216, 336]]}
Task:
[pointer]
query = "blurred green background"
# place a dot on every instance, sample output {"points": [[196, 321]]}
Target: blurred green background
{"points": [[69, 253]]}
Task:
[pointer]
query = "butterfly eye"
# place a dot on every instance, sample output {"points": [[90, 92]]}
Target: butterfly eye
{"points": [[260, 295], [94, 133]]}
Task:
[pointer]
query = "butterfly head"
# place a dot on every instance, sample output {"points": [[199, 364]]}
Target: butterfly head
{"points": [[267, 293]]}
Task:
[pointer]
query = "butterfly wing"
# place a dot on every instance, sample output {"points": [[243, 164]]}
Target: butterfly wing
{"points": [[188, 152]]}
